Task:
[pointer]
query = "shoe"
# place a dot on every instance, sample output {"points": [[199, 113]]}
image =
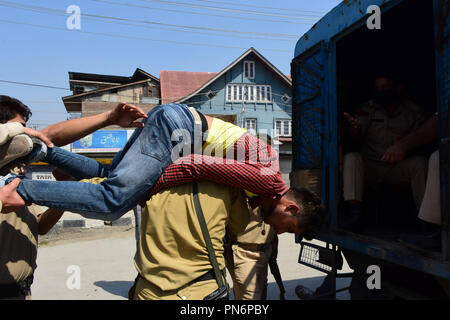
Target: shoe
{"points": [[303, 292], [21, 149], [4, 180], [425, 242], [323, 292], [18, 147]]}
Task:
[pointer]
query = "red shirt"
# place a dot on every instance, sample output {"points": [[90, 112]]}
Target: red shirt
{"points": [[254, 167]]}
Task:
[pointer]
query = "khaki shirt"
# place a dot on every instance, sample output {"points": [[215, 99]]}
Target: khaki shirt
{"points": [[381, 130], [257, 231], [172, 251], [18, 245]]}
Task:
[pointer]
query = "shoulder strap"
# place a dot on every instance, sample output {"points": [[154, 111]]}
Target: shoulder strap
{"points": [[206, 236]]}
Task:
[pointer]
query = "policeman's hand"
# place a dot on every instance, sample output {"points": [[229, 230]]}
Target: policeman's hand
{"points": [[395, 153], [125, 115], [355, 123], [39, 135], [11, 200]]}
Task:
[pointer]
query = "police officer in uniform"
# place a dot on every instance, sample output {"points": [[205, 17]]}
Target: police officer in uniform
{"points": [[380, 123]]}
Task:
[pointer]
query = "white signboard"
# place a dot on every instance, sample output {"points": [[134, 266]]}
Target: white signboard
{"points": [[42, 176]]}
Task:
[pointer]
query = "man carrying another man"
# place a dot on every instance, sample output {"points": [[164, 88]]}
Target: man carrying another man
{"points": [[287, 210]]}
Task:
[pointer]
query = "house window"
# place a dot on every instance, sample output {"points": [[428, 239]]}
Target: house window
{"points": [[210, 94], [286, 98], [249, 69], [248, 93], [250, 124], [283, 127], [149, 91], [78, 90]]}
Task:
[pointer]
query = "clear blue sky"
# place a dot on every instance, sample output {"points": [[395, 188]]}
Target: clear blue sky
{"points": [[45, 56]]}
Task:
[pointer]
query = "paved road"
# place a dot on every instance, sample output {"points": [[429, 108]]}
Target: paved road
{"points": [[107, 270]]}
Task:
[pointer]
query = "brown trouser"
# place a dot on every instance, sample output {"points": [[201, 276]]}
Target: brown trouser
{"points": [[357, 170], [430, 210], [249, 270]]}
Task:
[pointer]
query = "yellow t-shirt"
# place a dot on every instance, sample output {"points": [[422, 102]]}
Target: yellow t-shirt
{"points": [[221, 138], [172, 251]]}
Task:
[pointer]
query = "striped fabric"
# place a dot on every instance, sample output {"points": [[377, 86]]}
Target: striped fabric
{"points": [[253, 167]]}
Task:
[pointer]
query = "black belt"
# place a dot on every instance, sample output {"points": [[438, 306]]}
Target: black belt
{"points": [[207, 276], [254, 246], [16, 289]]}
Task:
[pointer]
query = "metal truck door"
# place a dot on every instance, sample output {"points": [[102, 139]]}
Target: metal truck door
{"points": [[442, 32], [310, 119]]}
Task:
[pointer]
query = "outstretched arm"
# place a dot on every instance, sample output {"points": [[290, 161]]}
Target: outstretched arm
{"points": [[66, 132], [124, 115]]}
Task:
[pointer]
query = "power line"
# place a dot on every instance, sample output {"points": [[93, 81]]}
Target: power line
{"points": [[201, 13], [137, 38], [57, 11], [259, 7], [33, 84], [160, 28], [183, 4]]}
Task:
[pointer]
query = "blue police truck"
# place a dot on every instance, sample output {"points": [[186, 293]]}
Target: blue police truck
{"points": [[333, 72]]}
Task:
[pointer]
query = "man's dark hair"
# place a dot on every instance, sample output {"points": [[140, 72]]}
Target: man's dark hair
{"points": [[312, 212], [10, 107]]}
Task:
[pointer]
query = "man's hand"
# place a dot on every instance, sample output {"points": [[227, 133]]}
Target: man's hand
{"points": [[38, 135], [124, 115], [11, 200], [395, 153], [355, 123]]}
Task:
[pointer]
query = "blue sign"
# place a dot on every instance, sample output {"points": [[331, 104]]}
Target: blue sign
{"points": [[102, 141]]}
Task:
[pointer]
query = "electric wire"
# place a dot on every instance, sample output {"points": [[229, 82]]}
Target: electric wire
{"points": [[183, 4], [19, 6], [136, 38], [202, 13]]}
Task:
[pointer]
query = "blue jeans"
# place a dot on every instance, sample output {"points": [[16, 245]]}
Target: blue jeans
{"points": [[132, 174]]}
